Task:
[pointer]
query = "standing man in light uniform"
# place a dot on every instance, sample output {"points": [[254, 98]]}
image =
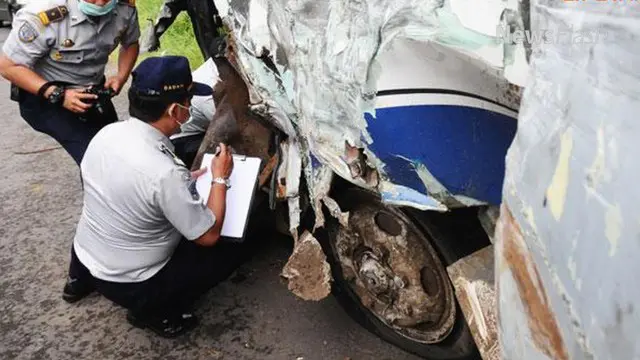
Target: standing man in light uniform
{"points": [[56, 49]]}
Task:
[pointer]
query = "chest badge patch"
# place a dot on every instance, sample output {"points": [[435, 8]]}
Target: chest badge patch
{"points": [[27, 33], [191, 185]]}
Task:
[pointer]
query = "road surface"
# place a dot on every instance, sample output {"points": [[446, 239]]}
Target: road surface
{"points": [[251, 316]]}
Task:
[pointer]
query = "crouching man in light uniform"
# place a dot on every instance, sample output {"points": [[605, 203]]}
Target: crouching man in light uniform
{"points": [[145, 240]]}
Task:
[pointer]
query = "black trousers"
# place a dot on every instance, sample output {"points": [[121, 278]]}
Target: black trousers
{"points": [[191, 271], [72, 131]]}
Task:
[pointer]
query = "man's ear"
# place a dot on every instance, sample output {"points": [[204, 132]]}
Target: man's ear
{"points": [[171, 109]]}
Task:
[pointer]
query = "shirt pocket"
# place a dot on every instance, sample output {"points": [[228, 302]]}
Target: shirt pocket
{"points": [[68, 56]]}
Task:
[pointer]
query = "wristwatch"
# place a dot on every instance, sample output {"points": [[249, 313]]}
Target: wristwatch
{"points": [[222, 181], [57, 96]]}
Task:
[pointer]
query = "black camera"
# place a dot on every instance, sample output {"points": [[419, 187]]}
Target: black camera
{"points": [[104, 94]]}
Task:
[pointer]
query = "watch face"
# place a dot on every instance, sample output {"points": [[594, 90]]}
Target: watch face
{"points": [[56, 95]]}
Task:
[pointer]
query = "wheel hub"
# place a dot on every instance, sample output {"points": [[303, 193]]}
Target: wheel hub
{"points": [[389, 264], [379, 279]]}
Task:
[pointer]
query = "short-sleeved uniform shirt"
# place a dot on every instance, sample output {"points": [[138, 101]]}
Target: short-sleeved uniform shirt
{"points": [[74, 49], [139, 200]]}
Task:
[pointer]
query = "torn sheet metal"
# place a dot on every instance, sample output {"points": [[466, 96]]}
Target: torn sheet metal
{"points": [[399, 195], [289, 169], [473, 281], [437, 190], [323, 178], [567, 239], [293, 172], [315, 68]]}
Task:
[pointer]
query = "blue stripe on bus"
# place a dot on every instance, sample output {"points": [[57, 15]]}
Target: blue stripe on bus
{"points": [[463, 147]]}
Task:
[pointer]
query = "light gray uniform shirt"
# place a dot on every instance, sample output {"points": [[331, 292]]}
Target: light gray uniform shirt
{"points": [[74, 49], [138, 203]]}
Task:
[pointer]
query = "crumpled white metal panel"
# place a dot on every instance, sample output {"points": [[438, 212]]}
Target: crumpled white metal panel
{"points": [[324, 71], [567, 239]]}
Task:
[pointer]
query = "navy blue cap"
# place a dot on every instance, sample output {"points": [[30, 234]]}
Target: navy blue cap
{"points": [[167, 78]]}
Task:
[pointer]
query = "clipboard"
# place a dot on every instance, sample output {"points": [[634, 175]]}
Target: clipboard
{"points": [[244, 182]]}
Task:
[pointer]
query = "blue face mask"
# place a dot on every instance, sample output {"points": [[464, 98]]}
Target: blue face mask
{"points": [[95, 10]]}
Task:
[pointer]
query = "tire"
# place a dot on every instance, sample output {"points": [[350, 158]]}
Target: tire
{"points": [[458, 344]]}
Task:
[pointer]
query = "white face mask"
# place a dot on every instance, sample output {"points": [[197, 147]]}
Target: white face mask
{"points": [[96, 10], [188, 110]]}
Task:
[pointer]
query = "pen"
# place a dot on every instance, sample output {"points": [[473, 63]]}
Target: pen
{"points": [[218, 150]]}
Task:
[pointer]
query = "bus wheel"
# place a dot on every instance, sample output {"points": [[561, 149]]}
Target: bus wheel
{"points": [[391, 278]]}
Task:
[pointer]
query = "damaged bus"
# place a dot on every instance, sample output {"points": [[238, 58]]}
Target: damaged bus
{"points": [[385, 130]]}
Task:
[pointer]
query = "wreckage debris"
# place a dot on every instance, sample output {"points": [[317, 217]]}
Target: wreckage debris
{"points": [[307, 270]]}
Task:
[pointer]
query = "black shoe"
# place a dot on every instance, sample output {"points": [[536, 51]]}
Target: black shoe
{"points": [[169, 327], [75, 290]]}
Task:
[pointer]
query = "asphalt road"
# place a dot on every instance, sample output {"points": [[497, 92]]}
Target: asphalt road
{"points": [[251, 316]]}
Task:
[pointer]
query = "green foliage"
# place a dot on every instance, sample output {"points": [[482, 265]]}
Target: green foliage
{"points": [[177, 40]]}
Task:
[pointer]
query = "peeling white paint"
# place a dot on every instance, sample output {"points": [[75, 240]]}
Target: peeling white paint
{"points": [[613, 227], [576, 322], [530, 217], [557, 190], [573, 272], [613, 161], [596, 170], [572, 265]]}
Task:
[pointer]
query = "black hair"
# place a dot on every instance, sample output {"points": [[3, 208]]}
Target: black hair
{"points": [[150, 109]]}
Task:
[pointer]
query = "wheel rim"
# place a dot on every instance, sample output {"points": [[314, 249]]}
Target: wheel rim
{"points": [[389, 264]]}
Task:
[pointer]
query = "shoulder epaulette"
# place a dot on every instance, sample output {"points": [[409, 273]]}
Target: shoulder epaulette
{"points": [[53, 15], [131, 3]]}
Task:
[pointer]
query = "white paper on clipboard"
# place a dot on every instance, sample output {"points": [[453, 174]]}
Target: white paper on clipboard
{"points": [[244, 178]]}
